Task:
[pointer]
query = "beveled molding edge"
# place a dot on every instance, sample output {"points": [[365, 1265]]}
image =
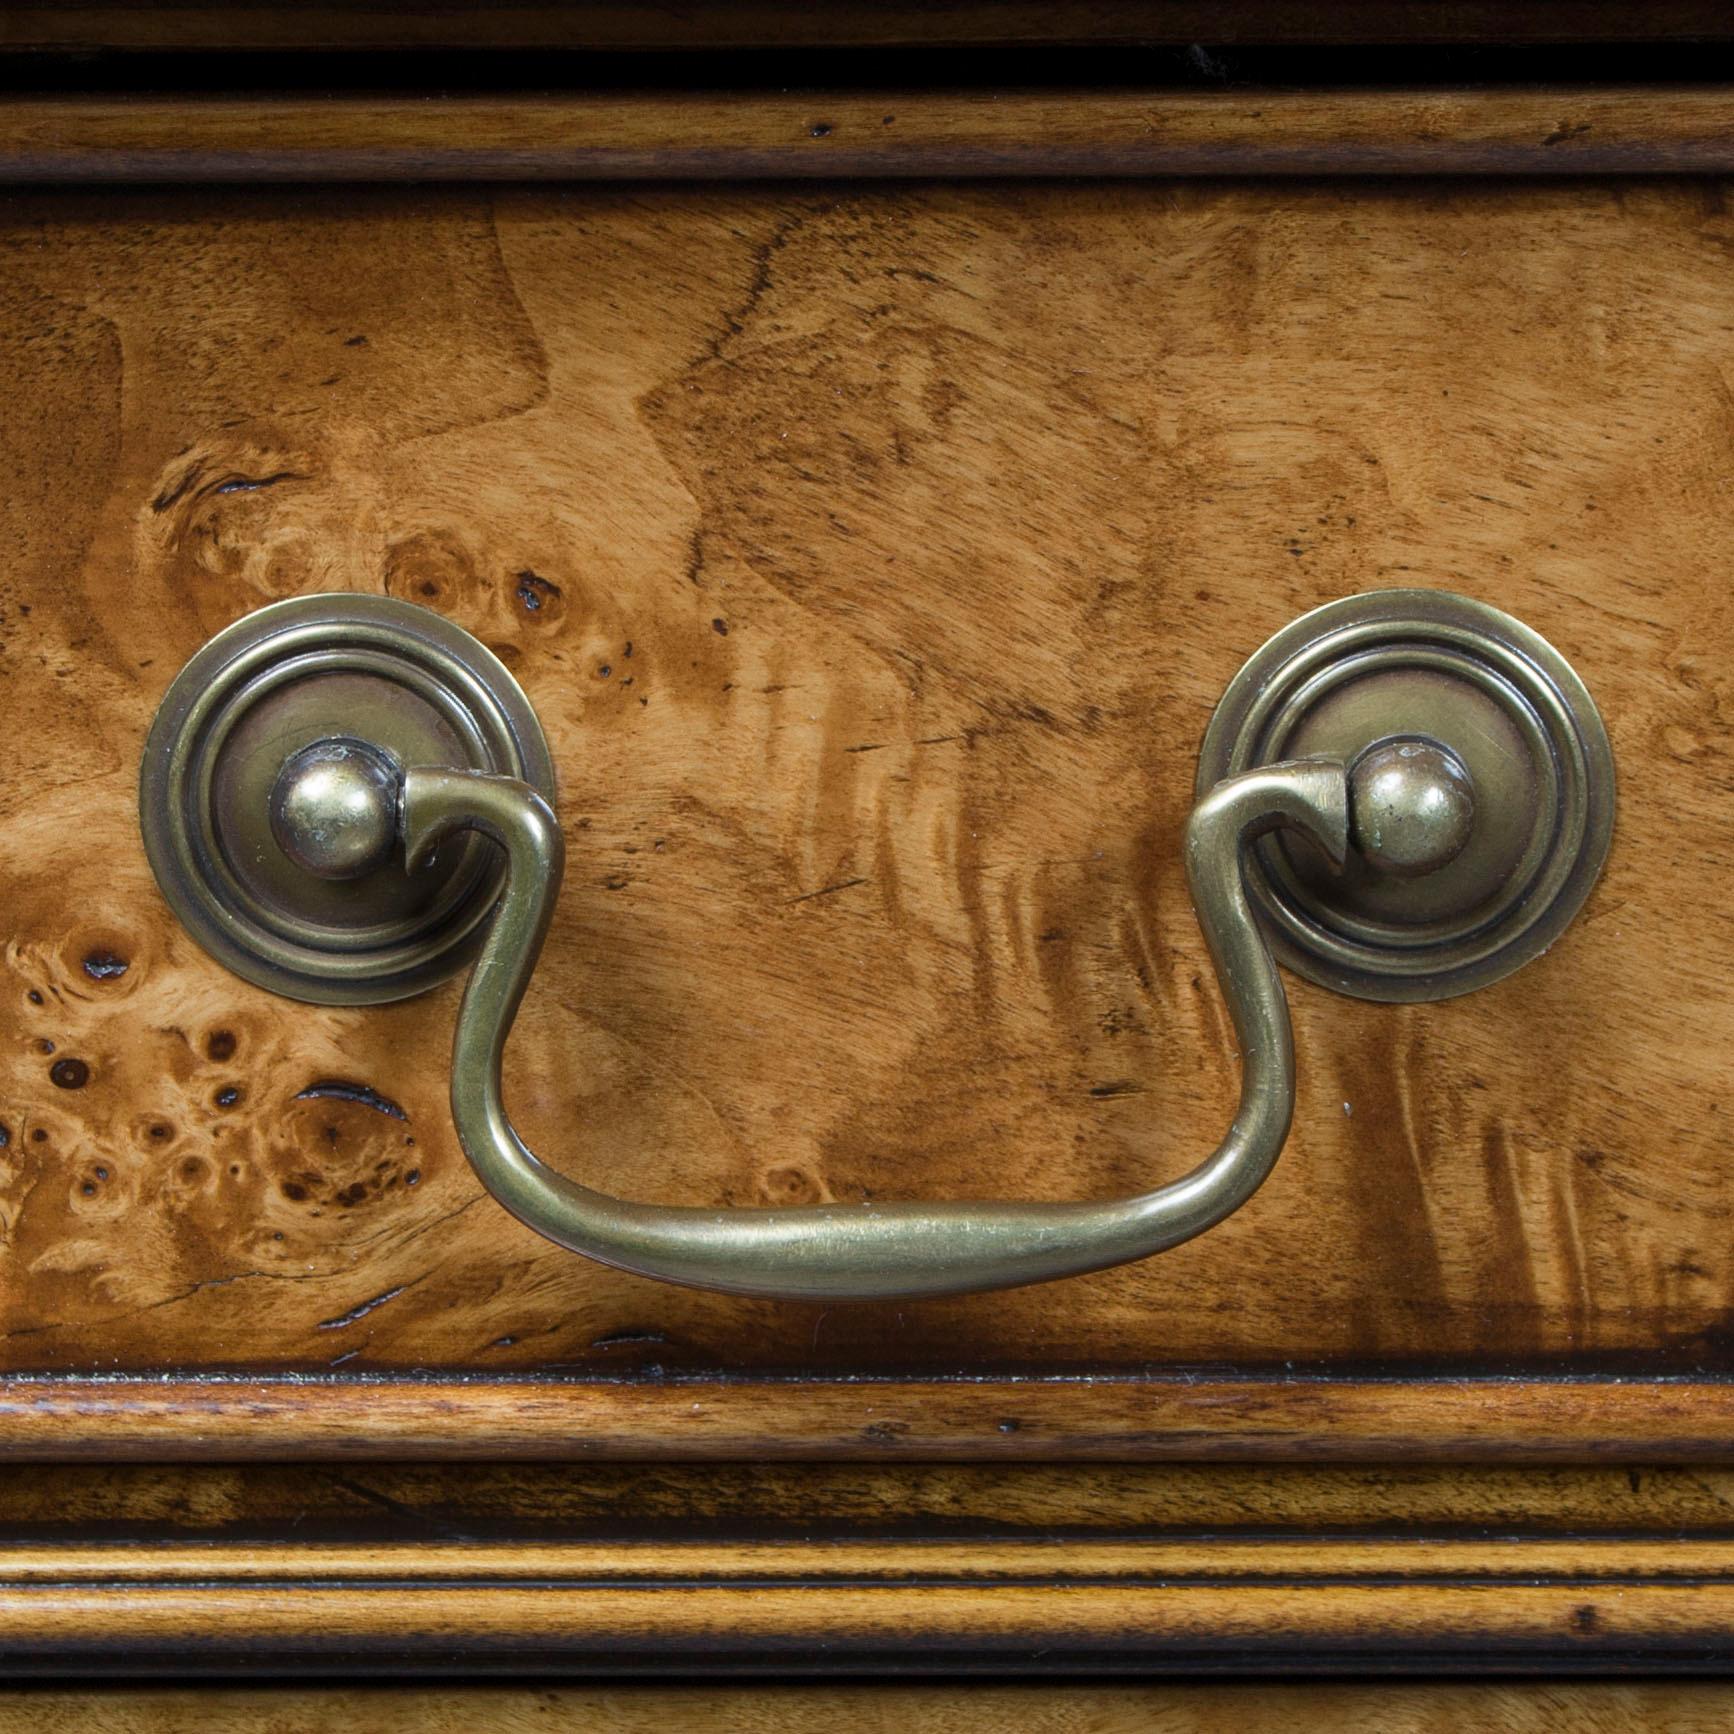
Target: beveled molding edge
{"points": [[1186, 1604], [1180, 1417], [845, 135], [838, 1569]]}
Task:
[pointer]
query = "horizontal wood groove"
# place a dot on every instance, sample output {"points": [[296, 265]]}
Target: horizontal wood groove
{"points": [[1327, 1606], [1032, 1569], [237, 1420], [834, 136]]}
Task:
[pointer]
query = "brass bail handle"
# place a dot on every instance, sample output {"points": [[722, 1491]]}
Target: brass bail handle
{"points": [[890, 1251], [1380, 838]]}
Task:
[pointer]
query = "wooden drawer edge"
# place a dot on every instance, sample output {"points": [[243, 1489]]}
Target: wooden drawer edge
{"points": [[834, 136], [223, 1419], [1034, 1569], [1036, 1607]]}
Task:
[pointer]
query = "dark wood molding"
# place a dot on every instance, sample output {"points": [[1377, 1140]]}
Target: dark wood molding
{"points": [[1312, 1607], [1034, 1571], [218, 1419], [822, 136], [1213, 1707]]}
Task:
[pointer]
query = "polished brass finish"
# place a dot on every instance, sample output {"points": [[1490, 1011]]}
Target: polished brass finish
{"points": [[835, 1252], [1440, 806], [1483, 787], [389, 680]]}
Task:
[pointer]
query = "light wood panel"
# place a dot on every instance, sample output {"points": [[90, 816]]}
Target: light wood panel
{"points": [[874, 560]]}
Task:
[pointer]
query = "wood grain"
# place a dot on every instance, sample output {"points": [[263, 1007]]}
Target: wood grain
{"points": [[874, 560], [1649, 1707], [1180, 1414], [820, 1616], [834, 135], [109, 1504], [628, 1571]]}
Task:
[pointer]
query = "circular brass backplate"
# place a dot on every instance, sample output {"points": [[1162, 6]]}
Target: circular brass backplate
{"points": [[388, 675], [1424, 665]]}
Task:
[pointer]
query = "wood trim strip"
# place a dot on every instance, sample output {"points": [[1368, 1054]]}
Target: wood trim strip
{"points": [[57, 1418], [970, 1707], [1339, 1605], [888, 1501], [1211, 1559], [1034, 1569], [819, 136]]}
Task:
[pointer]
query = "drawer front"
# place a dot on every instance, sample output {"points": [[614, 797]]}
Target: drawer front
{"points": [[873, 558]]}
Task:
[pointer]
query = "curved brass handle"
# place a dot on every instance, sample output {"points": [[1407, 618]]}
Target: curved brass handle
{"points": [[1454, 749], [876, 1251]]}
